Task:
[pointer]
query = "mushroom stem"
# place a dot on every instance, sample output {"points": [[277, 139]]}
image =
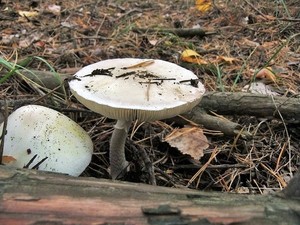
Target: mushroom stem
{"points": [[117, 149]]}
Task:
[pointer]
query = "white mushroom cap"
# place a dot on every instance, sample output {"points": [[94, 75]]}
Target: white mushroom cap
{"points": [[37, 130], [142, 89]]}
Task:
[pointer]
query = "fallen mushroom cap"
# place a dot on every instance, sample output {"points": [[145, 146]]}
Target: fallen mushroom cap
{"points": [[37, 130], [142, 89]]}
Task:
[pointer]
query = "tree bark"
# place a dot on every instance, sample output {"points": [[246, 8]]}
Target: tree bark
{"points": [[35, 197]]}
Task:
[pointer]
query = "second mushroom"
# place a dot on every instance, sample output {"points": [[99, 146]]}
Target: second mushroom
{"points": [[131, 89]]}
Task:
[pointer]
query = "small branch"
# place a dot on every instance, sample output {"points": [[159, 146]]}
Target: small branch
{"points": [[223, 166], [227, 127], [240, 103], [290, 19], [181, 32]]}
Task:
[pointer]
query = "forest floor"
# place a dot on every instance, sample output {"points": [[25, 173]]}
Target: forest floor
{"points": [[243, 37]]}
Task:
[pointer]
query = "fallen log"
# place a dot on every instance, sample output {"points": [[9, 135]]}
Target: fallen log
{"points": [[35, 197], [259, 105], [225, 103], [286, 109]]}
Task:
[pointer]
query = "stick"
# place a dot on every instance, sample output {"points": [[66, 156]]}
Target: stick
{"points": [[181, 32]]}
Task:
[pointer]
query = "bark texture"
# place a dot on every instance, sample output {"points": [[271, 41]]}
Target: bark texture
{"points": [[34, 197]]}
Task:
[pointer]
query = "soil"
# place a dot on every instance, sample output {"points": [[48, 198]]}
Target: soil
{"points": [[241, 38]]}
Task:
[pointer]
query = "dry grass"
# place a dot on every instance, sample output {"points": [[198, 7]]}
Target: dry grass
{"points": [[90, 31]]}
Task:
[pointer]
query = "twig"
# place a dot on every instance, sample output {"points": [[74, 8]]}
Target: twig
{"points": [[253, 7], [289, 19], [128, 13], [223, 166], [181, 32], [226, 126], [273, 173], [288, 137], [212, 156], [162, 175]]}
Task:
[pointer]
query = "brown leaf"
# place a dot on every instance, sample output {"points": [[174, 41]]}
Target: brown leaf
{"points": [[226, 59], [191, 56], [188, 140], [267, 73], [28, 14]]}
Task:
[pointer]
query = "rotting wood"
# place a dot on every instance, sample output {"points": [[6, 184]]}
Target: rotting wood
{"points": [[35, 197]]}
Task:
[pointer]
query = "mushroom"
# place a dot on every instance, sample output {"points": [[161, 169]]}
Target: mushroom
{"points": [[42, 138], [131, 89]]}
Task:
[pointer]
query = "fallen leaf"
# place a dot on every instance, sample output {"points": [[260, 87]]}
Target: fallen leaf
{"points": [[68, 24], [28, 40], [226, 59], [266, 73], [28, 14], [203, 5], [191, 56], [270, 44], [188, 140], [40, 44], [7, 159], [54, 9], [248, 43], [258, 87], [153, 42]]}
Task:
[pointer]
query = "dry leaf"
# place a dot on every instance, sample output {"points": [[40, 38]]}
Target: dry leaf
{"points": [[7, 159], [153, 42], [54, 9], [266, 73], [248, 43], [28, 40], [259, 87], [226, 59], [188, 140], [28, 14], [203, 5], [191, 56]]}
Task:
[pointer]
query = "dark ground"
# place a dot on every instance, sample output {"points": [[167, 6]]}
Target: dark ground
{"points": [[255, 35]]}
